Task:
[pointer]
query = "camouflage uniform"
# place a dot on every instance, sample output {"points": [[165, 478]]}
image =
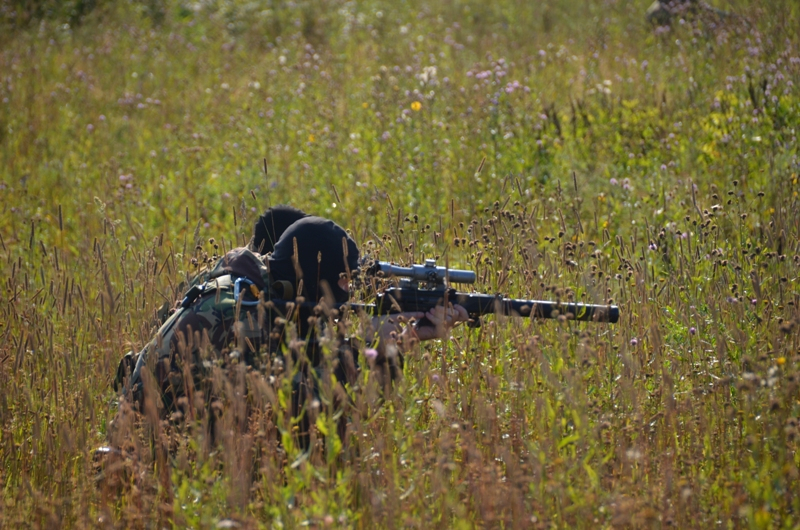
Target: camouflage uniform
{"points": [[225, 321], [221, 322]]}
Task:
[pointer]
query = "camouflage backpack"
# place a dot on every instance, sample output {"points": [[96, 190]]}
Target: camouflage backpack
{"points": [[218, 316]]}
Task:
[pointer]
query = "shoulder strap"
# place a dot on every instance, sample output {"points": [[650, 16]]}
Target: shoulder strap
{"points": [[214, 284]]}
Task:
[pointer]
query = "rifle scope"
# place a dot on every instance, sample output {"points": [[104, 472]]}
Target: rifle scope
{"points": [[426, 273]]}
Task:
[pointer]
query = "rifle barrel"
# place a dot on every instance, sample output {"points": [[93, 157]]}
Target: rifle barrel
{"points": [[483, 304]]}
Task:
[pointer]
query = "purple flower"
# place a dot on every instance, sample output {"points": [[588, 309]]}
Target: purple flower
{"points": [[652, 246], [89, 128], [692, 330], [371, 353], [613, 181], [634, 342]]}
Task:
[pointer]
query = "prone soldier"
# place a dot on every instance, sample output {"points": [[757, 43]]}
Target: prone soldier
{"points": [[225, 320]]}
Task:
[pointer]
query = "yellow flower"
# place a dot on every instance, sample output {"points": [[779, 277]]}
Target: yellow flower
{"points": [[416, 106], [365, 104], [781, 361], [311, 138]]}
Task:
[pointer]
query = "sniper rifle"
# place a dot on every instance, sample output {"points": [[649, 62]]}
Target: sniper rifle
{"points": [[422, 287]]}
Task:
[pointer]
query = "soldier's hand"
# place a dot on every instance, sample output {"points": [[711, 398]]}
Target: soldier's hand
{"points": [[442, 320]]}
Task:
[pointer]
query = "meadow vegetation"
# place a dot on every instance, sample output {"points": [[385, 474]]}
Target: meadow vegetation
{"points": [[559, 148]]}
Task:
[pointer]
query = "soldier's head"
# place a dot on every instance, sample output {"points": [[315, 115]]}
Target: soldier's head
{"points": [[271, 225], [319, 252]]}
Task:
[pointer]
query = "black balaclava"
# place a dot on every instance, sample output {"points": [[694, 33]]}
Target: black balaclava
{"points": [[272, 224], [321, 257]]}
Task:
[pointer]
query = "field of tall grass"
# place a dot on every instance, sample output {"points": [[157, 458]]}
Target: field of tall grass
{"points": [[561, 149]]}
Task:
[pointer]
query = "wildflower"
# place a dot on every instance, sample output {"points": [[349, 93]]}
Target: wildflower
{"points": [[510, 87], [652, 246], [311, 138], [780, 361], [692, 330], [89, 128], [634, 342], [371, 353], [416, 106], [428, 75]]}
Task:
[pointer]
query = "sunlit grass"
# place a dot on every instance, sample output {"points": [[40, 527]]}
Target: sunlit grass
{"points": [[558, 149]]}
